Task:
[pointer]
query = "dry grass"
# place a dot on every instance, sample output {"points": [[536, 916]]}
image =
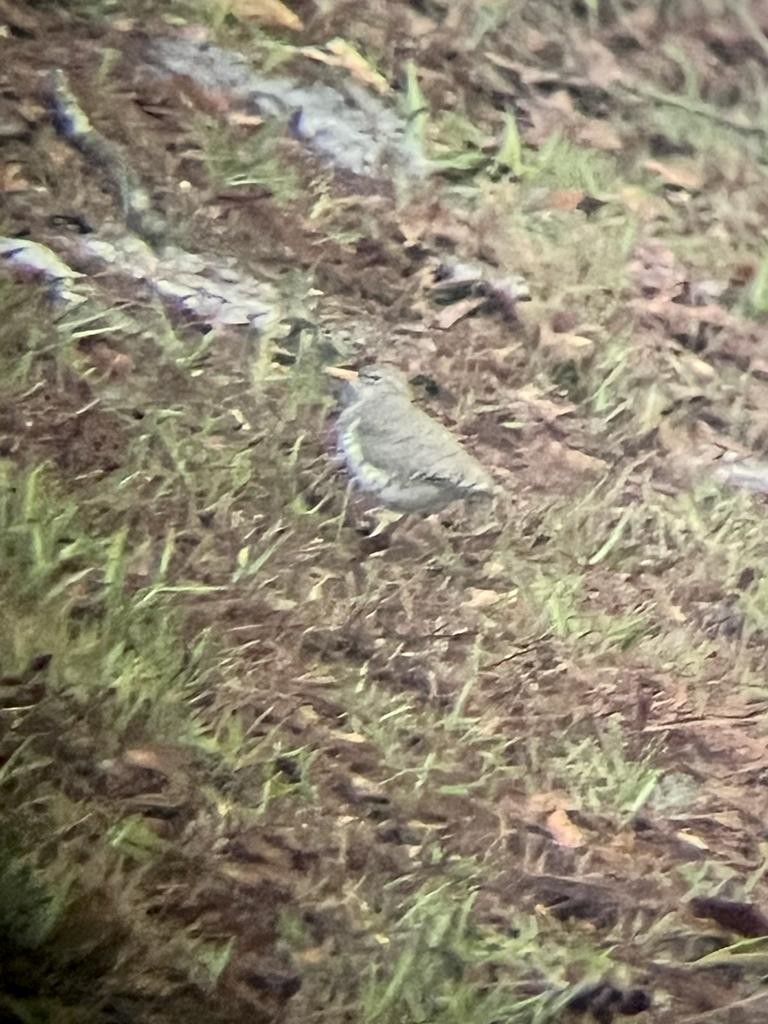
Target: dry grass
{"points": [[254, 770]]}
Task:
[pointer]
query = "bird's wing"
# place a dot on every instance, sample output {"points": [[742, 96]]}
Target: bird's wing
{"points": [[400, 439]]}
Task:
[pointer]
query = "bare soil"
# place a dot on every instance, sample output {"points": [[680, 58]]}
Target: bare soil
{"points": [[509, 766]]}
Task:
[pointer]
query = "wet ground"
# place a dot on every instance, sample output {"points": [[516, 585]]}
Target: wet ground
{"points": [[257, 764]]}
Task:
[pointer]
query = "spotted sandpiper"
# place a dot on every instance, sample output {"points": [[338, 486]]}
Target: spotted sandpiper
{"points": [[395, 451]]}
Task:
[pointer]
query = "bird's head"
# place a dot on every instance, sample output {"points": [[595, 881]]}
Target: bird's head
{"points": [[375, 379]]}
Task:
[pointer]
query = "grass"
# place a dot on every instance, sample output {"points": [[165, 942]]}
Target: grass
{"points": [[756, 296], [458, 147], [118, 657], [112, 666], [441, 965], [236, 160], [122, 664], [463, 754], [106, 650], [226, 731], [597, 773], [96, 620]]}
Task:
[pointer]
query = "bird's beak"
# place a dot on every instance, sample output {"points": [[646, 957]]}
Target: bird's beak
{"points": [[340, 373]]}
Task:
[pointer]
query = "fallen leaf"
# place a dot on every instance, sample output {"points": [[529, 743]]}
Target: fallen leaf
{"points": [[12, 179], [252, 874], [637, 200], [31, 110], [14, 15], [315, 955], [575, 460], [655, 270], [349, 737], [554, 805], [561, 100], [209, 99], [109, 362], [740, 917], [339, 53], [759, 368], [479, 598], [451, 315], [544, 803], [600, 135], [357, 789], [700, 369], [563, 830], [544, 408], [682, 319], [682, 175], [268, 12], [565, 347], [165, 760], [549, 115], [565, 198], [245, 120], [751, 474]]}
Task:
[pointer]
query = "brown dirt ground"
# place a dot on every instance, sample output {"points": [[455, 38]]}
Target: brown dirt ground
{"points": [[332, 637]]}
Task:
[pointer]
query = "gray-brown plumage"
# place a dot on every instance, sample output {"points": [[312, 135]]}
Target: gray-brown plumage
{"points": [[409, 461]]}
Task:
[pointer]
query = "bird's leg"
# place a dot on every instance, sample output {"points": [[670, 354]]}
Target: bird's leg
{"points": [[422, 533], [386, 523], [343, 513], [380, 538], [479, 521]]}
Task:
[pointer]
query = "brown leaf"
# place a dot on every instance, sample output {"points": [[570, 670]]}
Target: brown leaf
{"points": [[656, 271], [553, 805], [639, 201], [743, 918], [348, 737], [210, 100], [165, 760], [685, 319], [544, 408], [600, 135], [543, 803], [681, 174], [479, 598], [689, 839], [315, 955], [244, 120], [565, 347], [699, 368], [109, 362], [563, 830], [565, 198], [268, 12], [575, 460], [339, 53], [12, 179], [451, 315]]}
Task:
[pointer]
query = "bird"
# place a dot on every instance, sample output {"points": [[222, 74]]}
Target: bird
{"points": [[396, 451]]}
